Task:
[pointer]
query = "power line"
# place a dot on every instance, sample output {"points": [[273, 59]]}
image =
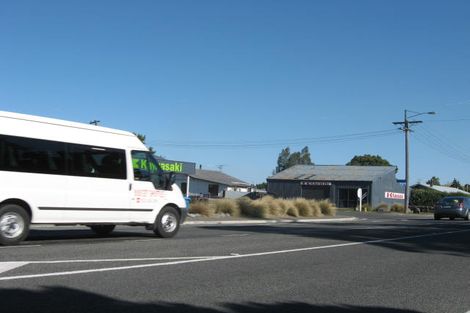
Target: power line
{"points": [[446, 142], [442, 145], [449, 120], [278, 142]]}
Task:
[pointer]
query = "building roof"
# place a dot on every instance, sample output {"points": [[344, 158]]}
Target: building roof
{"points": [[219, 177], [441, 188], [333, 172]]}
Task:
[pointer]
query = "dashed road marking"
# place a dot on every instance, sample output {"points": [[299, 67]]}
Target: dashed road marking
{"points": [[20, 247], [8, 266]]}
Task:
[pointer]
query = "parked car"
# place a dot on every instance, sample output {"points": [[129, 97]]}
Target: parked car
{"points": [[452, 207]]}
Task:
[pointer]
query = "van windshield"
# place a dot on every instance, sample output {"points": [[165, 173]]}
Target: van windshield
{"points": [[146, 168]]}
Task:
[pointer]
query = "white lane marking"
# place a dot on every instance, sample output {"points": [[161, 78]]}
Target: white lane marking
{"points": [[143, 240], [120, 268], [120, 260], [236, 235], [18, 247], [8, 266]]}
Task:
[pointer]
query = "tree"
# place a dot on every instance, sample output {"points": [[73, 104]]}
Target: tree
{"points": [[434, 181], [287, 159], [456, 184], [142, 138], [368, 160], [467, 187], [262, 186]]}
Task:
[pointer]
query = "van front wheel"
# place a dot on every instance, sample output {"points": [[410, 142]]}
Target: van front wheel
{"points": [[167, 222], [14, 224]]}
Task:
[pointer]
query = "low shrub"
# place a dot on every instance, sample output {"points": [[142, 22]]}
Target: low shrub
{"points": [[367, 207], [225, 206], [201, 207], [327, 208], [304, 207], [253, 208], [396, 207], [383, 207], [264, 207], [276, 207], [292, 211]]}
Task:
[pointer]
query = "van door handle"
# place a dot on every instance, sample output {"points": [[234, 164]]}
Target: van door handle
{"points": [[130, 186]]}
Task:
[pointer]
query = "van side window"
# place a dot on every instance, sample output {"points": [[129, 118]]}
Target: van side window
{"points": [[100, 162], [146, 168], [32, 155]]}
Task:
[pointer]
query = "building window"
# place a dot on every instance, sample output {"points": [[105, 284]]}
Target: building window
{"points": [[213, 190]]}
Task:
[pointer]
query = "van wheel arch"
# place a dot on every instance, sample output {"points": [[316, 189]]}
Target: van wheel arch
{"points": [[22, 204]]}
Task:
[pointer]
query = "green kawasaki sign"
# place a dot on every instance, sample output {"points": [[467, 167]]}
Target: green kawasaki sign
{"points": [[187, 168]]}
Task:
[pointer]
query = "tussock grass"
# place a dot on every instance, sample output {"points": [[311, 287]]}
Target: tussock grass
{"points": [[275, 207], [253, 208], [304, 207], [396, 207], [225, 206], [383, 207], [201, 207], [367, 207], [293, 211], [327, 208], [264, 208]]}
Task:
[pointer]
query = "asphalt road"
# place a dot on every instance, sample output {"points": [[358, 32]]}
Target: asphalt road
{"points": [[378, 263]]}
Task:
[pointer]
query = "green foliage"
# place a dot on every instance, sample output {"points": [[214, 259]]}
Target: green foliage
{"points": [[434, 181], [429, 197], [262, 186], [287, 159], [142, 138], [368, 160], [425, 197], [456, 184]]}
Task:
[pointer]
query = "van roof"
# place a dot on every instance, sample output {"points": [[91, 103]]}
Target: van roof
{"points": [[64, 123]]}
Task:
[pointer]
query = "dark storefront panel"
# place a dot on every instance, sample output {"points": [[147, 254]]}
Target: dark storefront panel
{"points": [[347, 197], [316, 192]]}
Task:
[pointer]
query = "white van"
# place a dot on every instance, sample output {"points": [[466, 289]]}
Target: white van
{"points": [[66, 173]]}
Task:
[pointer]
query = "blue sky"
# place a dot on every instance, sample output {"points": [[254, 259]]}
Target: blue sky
{"points": [[194, 76]]}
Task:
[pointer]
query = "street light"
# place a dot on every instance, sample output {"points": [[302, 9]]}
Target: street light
{"points": [[406, 129]]}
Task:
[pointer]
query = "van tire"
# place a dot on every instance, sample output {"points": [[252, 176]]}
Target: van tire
{"points": [[14, 224], [103, 230], [167, 222]]}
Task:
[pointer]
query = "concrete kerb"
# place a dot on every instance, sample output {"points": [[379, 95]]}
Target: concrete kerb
{"points": [[278, 221]]}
